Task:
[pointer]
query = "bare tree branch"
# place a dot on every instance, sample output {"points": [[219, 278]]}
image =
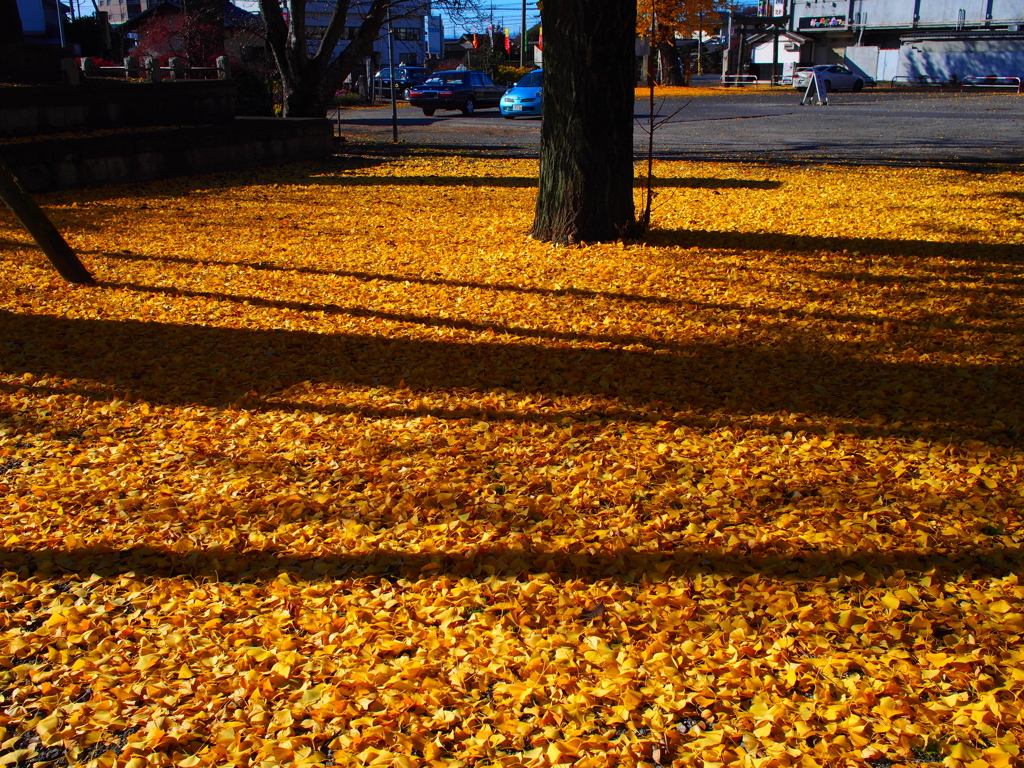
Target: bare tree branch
{"points": [[310, 80], [332, 35]]}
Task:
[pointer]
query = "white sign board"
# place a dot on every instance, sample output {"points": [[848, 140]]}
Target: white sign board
{"points": [[819, 82], [816, 88]]}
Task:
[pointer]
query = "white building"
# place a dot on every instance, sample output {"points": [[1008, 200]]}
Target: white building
{"points": [[943, 39], [417, 33], [786, 54]]}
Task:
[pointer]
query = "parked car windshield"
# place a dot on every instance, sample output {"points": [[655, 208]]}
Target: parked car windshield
{"points": [[532, 80], [450, 78]]}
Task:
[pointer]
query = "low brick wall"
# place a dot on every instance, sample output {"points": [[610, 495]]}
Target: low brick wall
{"points": [[117, 158], [99, 104]]}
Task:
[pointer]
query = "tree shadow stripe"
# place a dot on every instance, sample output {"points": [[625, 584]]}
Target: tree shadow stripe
{"points": [[576, 563], [217, 366]]}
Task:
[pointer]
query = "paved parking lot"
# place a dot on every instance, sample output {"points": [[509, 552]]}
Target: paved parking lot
{"points": [[874, 126]]}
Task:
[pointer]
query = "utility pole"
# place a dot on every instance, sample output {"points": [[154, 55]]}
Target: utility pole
{"points": [[775, 48], [522, 39], [727, 53], [700, 38], [391, 63]]}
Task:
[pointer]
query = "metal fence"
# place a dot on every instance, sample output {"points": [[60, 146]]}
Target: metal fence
{"points": [[992, 81], [728, 80], [916, 80]]}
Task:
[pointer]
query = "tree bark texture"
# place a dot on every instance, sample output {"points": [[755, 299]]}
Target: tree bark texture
{"points": [[41, 228], [671, 64], [586, 150]]}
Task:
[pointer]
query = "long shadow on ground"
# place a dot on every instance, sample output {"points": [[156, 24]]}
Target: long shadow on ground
{"points": [[529, 182], [192, 364], [1003, 253], [974, 561]]}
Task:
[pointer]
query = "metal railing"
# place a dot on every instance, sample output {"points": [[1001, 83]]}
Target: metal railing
{"points": [[991, 81], [151, 70], [728, 80], [916, 80]]}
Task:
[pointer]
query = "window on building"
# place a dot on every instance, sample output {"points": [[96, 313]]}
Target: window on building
{"points": [[407, 33]]}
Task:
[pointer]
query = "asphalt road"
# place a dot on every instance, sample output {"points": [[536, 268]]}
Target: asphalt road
{"points": [[874, 126]]}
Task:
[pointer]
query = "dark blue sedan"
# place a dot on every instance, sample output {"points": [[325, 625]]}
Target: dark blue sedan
{"points": [[455, 89]]}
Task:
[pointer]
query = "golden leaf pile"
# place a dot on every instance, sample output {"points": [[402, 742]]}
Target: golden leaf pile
{"points": [[336, 466]]}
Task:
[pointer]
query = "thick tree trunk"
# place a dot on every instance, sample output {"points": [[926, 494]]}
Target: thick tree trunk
{"points": [[302, 97], [586, 152], [671, 64]]}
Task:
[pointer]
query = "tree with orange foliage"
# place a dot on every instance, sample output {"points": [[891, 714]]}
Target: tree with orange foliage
{"points": [[662, 21]]}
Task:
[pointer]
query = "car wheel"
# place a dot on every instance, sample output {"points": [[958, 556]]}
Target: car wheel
{"points": [[828, 85], [858, 85], [468, 109], [428, 112]]}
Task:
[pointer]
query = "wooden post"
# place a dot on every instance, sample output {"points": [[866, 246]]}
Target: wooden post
{"points": [[41, 228]]}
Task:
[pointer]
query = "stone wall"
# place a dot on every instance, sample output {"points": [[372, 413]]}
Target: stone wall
{"points": [[115, 158], [101, 104], [114, 132]]}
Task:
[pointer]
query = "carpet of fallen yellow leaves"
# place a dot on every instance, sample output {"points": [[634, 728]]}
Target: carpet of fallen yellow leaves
{"points": [[336, 466]]}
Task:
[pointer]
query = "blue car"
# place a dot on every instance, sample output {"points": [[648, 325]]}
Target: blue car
{"points": [[525, 99]]}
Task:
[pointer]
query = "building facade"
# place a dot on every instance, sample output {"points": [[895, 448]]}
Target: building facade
{"points": [[416, 33], [939, 39], [42, 21]]}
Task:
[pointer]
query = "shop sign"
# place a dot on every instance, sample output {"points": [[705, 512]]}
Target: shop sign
{"points": [[822, 22]]}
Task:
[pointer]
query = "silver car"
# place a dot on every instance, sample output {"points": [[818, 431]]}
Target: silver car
{"points": [[837, 78]]}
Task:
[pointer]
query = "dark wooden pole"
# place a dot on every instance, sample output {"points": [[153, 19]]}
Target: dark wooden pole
{"points": [[41, 228]]}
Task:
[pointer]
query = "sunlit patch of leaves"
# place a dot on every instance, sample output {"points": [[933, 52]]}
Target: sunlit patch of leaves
{"points": [[337, 467]]}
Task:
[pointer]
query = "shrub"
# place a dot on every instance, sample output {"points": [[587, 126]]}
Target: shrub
{"points": [[511, 74], [347, 99]]}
